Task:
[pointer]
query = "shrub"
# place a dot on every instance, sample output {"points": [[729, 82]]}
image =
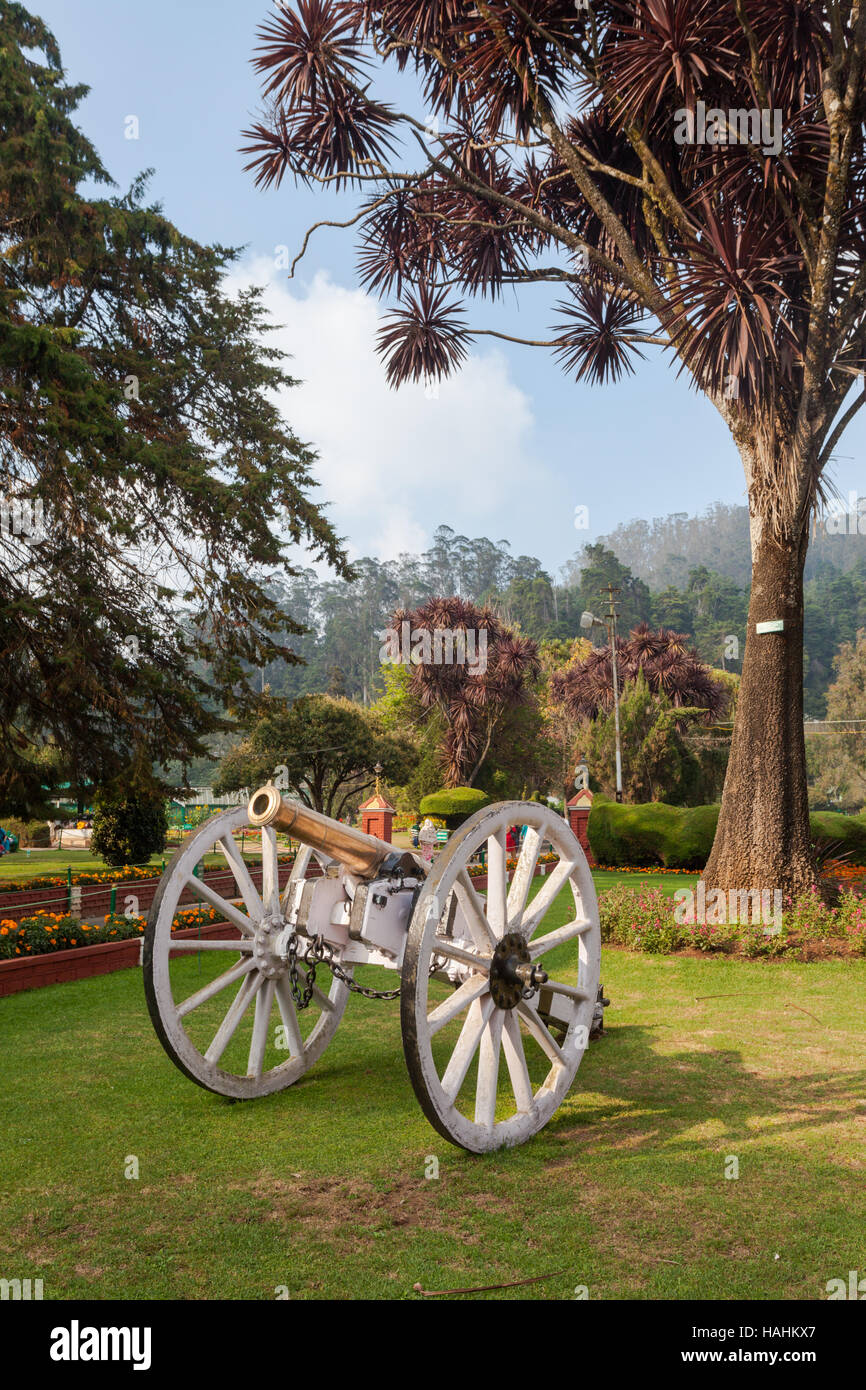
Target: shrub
{"points": [[754, 941], [681, 837], [454, 804], [831, 826], [707, 936], [642, 919], [129, 827], [194, 816], [645, 920], [33, 833], [677, 837]]}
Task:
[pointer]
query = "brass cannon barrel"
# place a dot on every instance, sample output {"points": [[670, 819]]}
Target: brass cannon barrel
{"points": [[361, 854]]}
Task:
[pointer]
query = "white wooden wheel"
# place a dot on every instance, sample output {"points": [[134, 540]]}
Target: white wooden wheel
{"points": [[223, 1010], [490, 1074]]}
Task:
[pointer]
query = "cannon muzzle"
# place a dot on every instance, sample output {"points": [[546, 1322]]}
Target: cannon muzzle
{"points": [[361, 854]]}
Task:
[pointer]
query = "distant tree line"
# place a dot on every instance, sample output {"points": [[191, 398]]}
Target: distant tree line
{"points": [[699, 597]]}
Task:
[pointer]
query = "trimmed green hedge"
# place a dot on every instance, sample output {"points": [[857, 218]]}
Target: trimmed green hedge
{"points": [[455, 804], [828, 827], [681, 837]]}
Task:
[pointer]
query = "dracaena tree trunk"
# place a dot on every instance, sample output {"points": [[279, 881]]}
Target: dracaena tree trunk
{"points": [[763, 839]]}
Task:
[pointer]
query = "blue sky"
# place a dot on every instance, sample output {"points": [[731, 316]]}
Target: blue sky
{"points": [[510, 448]]}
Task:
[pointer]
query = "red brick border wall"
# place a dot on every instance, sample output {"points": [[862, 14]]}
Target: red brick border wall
{"points": [[58, 967]]}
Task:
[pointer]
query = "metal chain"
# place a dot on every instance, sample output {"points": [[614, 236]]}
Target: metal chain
{"points": [[322, 953], [303, 996], [337, 970]]}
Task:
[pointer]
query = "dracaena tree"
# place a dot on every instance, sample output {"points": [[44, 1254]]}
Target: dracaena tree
{"points": [[483, 672], [690, 176], [668, 664]]}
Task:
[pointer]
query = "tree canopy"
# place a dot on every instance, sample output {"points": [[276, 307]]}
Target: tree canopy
{"points": [[664, 660], [473, 694], [150, 487], [321, 749]]}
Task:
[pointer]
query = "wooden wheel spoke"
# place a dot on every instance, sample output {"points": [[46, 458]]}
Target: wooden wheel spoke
{"points": [[497, 883], [230, 1024], [546, 895], [524, 873], [540, 1033], [259, 1041], [209, 991], [286, 1006], [487, 1085], [579, 996], [270, 872], [466, 1047], [248, 890], [515, 1060], [231, 913], [458, 1001], [473, 911], [559, 937], [322, 1000]]}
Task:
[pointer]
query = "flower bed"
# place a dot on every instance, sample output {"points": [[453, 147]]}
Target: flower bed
{"points": [[647, 920], [642, 869], [544, 861], [54, 931], [82, 962]]}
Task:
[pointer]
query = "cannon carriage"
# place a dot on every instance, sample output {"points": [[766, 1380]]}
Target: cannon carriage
{"points": [[498, 989]]}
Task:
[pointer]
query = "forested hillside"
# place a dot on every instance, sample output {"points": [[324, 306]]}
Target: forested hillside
{"points": [[680, 572]]}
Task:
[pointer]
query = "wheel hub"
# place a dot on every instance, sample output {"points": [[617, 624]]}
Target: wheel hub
{"points": [[512, 971], [266, 953]]}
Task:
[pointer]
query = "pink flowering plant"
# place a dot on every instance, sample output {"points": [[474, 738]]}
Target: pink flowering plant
{"points": [[641, 919], [647, 920]]}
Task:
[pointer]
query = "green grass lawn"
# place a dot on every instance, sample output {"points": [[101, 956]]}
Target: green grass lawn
{"points": [[35, 862], [322, 1188], [669, 883]]}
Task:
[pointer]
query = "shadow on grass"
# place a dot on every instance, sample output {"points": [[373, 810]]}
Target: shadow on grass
{"points": [[650, 1096]]}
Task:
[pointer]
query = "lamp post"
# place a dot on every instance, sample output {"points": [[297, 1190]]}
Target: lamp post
{"points": [[588, 620]]}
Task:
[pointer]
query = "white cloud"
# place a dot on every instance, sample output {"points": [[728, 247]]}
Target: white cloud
{"points": [[395, 464]]}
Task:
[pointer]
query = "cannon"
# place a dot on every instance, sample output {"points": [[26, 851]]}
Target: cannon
{"points": [[498, 986]]}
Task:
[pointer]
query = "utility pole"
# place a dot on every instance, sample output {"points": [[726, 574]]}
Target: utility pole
{"points": [[589, 620], [611, 627]]}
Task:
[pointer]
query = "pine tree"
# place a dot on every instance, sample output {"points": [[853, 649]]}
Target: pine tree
{"points": [[149, 486]]}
